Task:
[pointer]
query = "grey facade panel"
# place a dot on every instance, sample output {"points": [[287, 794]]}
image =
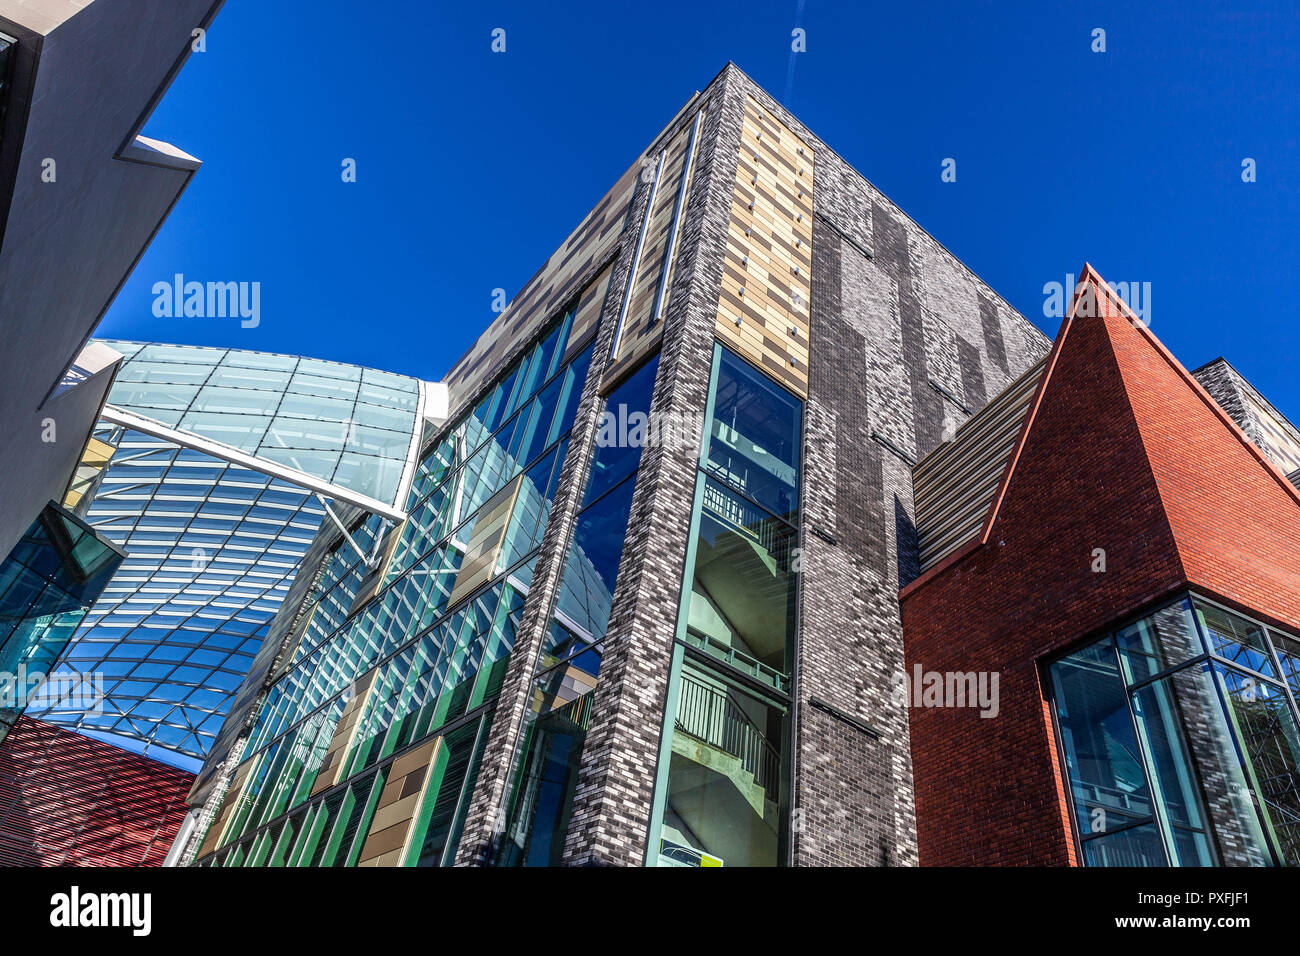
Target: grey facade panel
{"points": [[91, 72]]}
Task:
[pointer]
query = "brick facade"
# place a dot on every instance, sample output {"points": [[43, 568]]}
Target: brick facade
{"points": [[892, 311], [1127, 453]]}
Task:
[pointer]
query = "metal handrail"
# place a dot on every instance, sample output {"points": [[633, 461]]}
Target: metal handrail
{"points": [[712, 716]]}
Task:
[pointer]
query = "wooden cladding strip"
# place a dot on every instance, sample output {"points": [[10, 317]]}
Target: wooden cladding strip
{"points": [[763, 307]]}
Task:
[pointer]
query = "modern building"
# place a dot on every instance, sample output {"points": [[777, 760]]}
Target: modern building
{"points": [[208, 475], [644, 607], [762, 532], [1117, 540], [82, 193]]}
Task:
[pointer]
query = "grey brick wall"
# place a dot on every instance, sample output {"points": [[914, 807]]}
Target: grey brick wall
{"points": [[892, 312], [897, 322], [1277, 438], [612, 804]]}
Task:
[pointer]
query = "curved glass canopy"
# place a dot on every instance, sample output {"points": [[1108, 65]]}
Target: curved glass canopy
{"points": [[353, 427], [219, 468]]}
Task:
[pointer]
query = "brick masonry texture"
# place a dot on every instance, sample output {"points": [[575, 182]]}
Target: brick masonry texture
{"points": [[891, 311], [612, 803], [1126, 453], [1254, 414]]}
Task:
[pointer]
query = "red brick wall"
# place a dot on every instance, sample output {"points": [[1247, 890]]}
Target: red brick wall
{"points": [[1236, 520], [1124, 455], [67, 800]]}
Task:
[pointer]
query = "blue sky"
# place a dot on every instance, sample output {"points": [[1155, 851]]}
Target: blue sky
{"points": [[473, 166]]}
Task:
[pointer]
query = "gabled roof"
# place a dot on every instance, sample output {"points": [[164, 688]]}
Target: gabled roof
{"points": [[1230, 511]]}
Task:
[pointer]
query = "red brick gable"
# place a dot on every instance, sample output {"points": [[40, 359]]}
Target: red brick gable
{"points": [[1121, 451]]}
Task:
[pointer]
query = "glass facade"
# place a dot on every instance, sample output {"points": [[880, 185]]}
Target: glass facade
{"points": [[568, 668], [386, 661], [723, 791], [47, 583], [741, 605], [212, 548], [1180, 740], [214, 544]]}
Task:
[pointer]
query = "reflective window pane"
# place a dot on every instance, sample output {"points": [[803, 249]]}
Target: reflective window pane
{"points": [[754, 445], [622, 431], [1237, 639], [742, 598], [1107, 779]]}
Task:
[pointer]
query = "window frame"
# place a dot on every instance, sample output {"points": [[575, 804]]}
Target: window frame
{"points": [[1207, 656]]}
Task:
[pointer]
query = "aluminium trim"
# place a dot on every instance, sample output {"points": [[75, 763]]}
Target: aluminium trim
{"points": [[636, 258], [413, 449], [139, 423], [656, 313], [946, 393]]}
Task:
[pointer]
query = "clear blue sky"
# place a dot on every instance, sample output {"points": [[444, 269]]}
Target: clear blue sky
{"points": [[474, 166]]}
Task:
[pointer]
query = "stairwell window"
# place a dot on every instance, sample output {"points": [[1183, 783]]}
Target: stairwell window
{"points": [[724, 800], [722, 797]]}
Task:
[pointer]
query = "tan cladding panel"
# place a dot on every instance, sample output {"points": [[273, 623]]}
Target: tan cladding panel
{"points": [[485, 541], [405, 790], [586, 315], [341, 742], [763, 308], [236, 790]]}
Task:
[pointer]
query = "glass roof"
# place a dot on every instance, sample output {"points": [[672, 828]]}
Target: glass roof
{"points": [[213, 545], [212, 548], [353, 427]]}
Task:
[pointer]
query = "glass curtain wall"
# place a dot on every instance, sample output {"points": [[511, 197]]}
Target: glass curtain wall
{"points": [[349, 425], [49, 580], [569, 663], [425, 637], [1180, 740], [722, 797]]}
